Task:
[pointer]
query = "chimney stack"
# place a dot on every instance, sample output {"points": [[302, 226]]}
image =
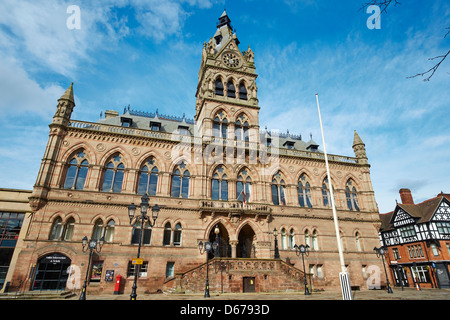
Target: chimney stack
{"points": [[406, 196]]}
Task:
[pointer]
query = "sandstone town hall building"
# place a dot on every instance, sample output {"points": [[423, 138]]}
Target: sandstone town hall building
{"points": [[220, 171]]}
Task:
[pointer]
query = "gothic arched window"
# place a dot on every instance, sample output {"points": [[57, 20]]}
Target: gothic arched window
{"points": [[76, 172], [219, 185], [278, 190], [242, 91], [231, 90], [326, 193], [109, 231], [220, 125], [351, 196], [167, 235], [219, 87], [113, 175], [177, 235], [136, 235], [148, 178], [314, 242], [283, 239], [244, 186], [358, 241], [56, 230], [291, 239], [304, 192], [97, 232], [241, 128], [180, 181], [68, 229]]}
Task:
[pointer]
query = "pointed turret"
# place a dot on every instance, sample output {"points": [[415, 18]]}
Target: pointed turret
{"points": [[68, 95], [64, 108], [359, 148]]}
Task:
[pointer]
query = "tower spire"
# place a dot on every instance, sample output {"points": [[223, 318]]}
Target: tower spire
{"points": [[64, 108], [359, 148]]}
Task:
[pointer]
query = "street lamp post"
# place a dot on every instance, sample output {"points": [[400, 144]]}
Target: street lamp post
{"points": [[90, 245], [142, 217], [208, 248], [380, 252], [302, 249], [277, 253]]}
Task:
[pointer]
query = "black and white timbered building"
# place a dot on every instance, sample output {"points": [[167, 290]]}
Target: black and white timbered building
{"points": [[418, 240]]}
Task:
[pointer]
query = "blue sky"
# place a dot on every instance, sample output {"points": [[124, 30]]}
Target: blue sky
{"points": [[146, 54]]}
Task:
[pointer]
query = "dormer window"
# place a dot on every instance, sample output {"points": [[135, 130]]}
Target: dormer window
{"points": [[289, 144], [183, 130], [126, 122], [218, 39], [155, 126]]}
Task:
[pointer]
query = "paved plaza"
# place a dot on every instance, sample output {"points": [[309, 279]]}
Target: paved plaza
{"points": [[398, 294]]}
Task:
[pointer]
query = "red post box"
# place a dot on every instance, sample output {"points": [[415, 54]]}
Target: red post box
{"points": [[117, 285]]}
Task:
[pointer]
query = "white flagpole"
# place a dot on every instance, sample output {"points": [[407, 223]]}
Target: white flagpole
{"points": [[343, 275]]}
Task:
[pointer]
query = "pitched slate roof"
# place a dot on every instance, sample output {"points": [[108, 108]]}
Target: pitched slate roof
{"points": [[423, 211], [170, 124]]}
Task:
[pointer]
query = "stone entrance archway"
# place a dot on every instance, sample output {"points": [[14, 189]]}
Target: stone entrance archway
{"points": [[246, 243], [224, 250]]}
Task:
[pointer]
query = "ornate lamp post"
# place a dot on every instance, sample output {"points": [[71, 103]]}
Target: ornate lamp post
{"points": [[142, 217], [380, 252], [277, 253], [208, 248], [92, 245], [302, 249]]}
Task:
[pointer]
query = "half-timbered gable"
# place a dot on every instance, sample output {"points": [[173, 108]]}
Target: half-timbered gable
{"points": [[418, 237]]}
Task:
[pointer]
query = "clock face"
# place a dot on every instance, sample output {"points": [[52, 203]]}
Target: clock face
{"points": [[231, 60]]}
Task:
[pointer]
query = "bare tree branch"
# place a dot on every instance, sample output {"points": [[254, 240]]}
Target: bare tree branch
{"points": [[383, 4], [432, 69]]}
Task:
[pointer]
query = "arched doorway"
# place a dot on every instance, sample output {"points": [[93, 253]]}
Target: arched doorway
{"points": [[246, 245], [224, 249], [51, 272]]}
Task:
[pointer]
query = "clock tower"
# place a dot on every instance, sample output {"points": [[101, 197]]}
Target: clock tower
{"points": [[227, 103]]}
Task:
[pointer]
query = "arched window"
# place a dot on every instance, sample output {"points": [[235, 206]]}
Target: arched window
{"points": [[242, 91], [278, 190], [231, 90], [167, 235], [351, 195], [219, 185], [113, 176], [180, 181], [109, 231], [135, 236], [68, 229], [314, 242], [358, 241], [148, 178], [220, 125], [76, 172], [291, 239], [241, 128], [283, 239], [326, 193], [219, 87], [307, 238], [304, 192], [177, 235], [97, 232], [244, 186], [56, 230]]}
